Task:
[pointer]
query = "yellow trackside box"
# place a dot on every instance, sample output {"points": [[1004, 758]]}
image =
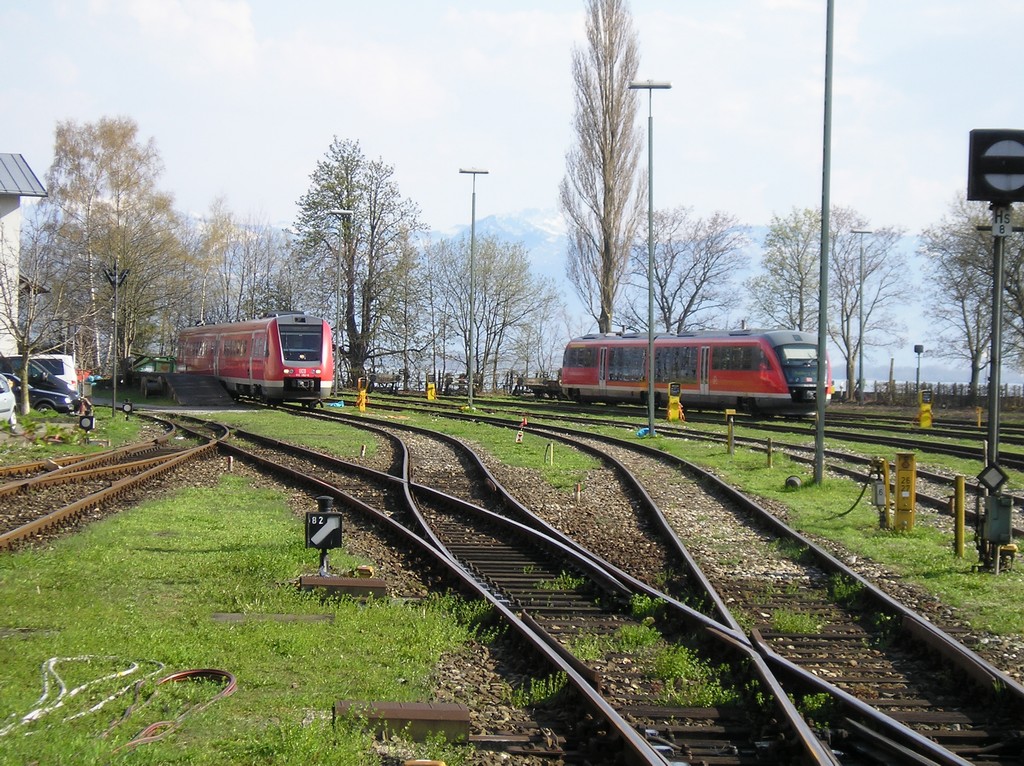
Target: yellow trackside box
{"points": [[675, 409], [924, 408], [906, 490]]}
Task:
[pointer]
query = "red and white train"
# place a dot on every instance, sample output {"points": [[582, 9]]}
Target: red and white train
{"points": [[284, 357], [770, 371]]}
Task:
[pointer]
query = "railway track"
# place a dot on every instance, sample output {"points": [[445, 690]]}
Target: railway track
{"points": [[559, 582], [909, 639], [54, 495]]}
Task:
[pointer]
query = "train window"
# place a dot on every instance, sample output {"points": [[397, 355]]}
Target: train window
{"points": [[675, 363], [579, 356], [626, 363], [234, 347], [301, 344], [739, 358]]}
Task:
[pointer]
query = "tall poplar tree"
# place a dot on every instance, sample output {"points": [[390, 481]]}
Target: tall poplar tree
{"points": [[601, 194]]}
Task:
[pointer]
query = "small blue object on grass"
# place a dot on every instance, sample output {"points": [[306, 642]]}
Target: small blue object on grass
{"points": [[644, 432], [339, 403]]}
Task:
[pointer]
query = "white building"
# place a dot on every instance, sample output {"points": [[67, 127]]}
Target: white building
{"points": [[16, 181]]}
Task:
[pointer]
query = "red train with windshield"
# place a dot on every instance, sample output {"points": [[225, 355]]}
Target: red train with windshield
{"points": [[770, 371], [284, 357]]}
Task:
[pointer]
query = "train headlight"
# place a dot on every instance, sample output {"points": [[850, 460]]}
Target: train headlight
{"points": [[317, 371], [288, 370]]}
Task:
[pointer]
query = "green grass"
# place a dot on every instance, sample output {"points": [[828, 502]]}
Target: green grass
{"points": [[40, 435], [789, 621], [332, 438], [144, 586], [561, 466]]}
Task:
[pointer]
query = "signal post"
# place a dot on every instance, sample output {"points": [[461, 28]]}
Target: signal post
{"points": [[995, 174]]}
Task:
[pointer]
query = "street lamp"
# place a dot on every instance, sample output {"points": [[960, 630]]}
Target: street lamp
{"points": [[472, 287], [918, 349], [650, 86], [860, 325], [115, 277], [341, 214]]}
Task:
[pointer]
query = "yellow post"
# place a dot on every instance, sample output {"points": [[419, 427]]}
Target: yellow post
{"points": [[958, 516], [361, 394], [675, 409], [906, 490], [924, 408], [431, 392]]}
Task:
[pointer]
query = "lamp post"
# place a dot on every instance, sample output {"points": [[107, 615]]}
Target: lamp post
{"points": [[918, 349], [336, 377], [860, 324], [650, 86], [472, 286], [115, 277]]}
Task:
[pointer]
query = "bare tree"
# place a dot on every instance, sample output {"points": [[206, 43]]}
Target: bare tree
{"points": [[1013, 282], [875, 286], [958, 263], [601, 195], [508, 300], [366, 262], [111, 220], [694, 263], [785, 294]]}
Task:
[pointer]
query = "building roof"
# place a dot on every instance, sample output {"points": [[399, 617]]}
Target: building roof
{"points": [[16, 177]]}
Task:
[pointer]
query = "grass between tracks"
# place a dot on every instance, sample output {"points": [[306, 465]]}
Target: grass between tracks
{"points": [[144, 587]]}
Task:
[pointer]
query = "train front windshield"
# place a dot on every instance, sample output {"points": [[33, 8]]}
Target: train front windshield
{"points": [[301, 344], [799, 363]]}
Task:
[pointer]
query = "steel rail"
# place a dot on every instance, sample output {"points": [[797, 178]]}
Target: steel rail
{"points": [[638, 751], [729, 633], [981, 672], [116, 489]]}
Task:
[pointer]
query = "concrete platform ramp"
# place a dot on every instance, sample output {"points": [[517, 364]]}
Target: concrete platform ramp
{"points": [[197, 390]]}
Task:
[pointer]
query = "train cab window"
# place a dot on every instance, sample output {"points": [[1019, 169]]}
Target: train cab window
{"points": [[804, 353], [626, 363], [799, 362], [301, 344]]}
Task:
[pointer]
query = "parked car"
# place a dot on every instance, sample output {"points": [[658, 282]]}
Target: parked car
{"points": [[57, 397], [8, 401]]}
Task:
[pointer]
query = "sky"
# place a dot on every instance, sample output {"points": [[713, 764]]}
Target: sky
{"points": [[244, 97]]}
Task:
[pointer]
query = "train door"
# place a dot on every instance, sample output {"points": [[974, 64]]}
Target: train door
{"points": [[704, 373], [602, 370], [257, 353]]}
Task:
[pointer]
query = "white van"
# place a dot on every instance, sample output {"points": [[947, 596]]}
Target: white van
{"points": [[41, 366], [60, 366]]}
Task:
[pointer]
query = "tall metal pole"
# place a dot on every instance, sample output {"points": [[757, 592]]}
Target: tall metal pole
{"points": [[860, 324], [341, 214], [650, 86], [819, 433], [113, 395], [472, 283], [996, 353]]}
